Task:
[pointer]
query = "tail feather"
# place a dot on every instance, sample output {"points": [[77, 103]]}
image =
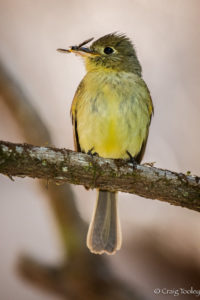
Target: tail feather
{"points": [[104, 234]]}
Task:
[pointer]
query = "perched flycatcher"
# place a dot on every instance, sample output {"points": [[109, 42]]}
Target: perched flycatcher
{"points": [[111, 113]]}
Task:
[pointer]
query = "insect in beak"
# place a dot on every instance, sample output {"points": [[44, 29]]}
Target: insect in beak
{"points": [[80, 50]]}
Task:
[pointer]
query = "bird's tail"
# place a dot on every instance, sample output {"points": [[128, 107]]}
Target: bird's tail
{"points": [[104, 234]]}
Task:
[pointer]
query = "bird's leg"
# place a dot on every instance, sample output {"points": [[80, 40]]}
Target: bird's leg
{"points": [[132, 159]]}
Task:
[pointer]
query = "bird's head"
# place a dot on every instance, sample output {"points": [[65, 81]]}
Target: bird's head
{"points": [[112, 52]]}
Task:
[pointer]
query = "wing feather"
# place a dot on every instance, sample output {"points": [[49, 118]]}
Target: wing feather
{"points": [[77, 97]]}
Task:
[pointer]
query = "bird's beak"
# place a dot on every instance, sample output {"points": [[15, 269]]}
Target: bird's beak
{"points": [[85, 52]]}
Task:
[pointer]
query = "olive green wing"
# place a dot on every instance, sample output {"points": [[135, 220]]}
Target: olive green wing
{"points": [[150, 106], [73, 112]]}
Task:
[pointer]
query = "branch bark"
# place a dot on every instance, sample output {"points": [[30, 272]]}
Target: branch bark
{"points": [[63, 165]]}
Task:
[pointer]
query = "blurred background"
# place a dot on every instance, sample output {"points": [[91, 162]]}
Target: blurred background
{"points": [[161, 243]]}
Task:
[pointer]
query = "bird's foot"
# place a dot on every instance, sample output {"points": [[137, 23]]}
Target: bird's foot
{"points": [[92, 153]]}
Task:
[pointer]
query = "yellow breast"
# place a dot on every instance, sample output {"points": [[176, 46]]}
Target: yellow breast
{"points": [[112, 114]]}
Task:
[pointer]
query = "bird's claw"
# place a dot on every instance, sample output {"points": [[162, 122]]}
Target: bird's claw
{"points": [[92, 153]]}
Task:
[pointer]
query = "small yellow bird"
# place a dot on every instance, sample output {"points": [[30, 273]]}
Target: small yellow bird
{"points": [[111, 114]]}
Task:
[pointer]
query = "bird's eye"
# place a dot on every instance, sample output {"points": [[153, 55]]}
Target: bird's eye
{"points": [[108, 50]]}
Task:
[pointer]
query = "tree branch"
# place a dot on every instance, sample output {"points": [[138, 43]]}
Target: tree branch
{"points": [[63, 165], [87, 278]]}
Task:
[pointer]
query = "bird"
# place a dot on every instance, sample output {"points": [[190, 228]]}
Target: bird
{"points": [[111, 114]]}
